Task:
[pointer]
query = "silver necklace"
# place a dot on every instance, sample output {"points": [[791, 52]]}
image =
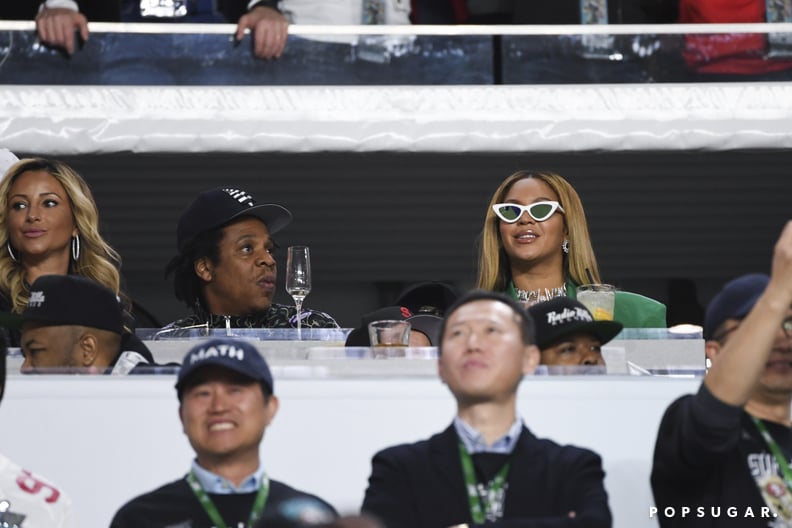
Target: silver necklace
{"points": [[531, 297]]}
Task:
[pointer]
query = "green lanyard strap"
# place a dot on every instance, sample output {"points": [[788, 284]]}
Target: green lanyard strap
{"points": [[493, 495], [777, 453], [211, 510]]}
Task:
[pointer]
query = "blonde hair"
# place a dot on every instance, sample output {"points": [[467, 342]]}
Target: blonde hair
{"points": [[97, 261], [494, 271]]}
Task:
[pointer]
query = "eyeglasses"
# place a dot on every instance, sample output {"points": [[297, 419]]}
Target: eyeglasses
{"points": [[786, 326], [539, 211]]}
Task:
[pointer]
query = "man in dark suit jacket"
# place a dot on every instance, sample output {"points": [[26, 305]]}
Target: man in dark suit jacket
{"points": [[487, 467]]}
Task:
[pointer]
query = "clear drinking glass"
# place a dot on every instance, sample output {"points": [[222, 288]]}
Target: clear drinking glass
{"points": [[298, 278]]}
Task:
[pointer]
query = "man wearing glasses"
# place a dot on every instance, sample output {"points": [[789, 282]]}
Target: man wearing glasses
{"points": [[722, 455]]}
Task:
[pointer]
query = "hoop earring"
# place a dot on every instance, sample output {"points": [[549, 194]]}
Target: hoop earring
{"points": [[11, 252], [75, 247], [565, 246]]}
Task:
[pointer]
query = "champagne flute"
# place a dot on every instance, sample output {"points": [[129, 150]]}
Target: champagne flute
{"points": [[298, 279]]}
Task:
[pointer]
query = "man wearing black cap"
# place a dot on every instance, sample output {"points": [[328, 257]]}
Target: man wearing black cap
{"points": [[225, 390], [487, 468], [75, 324], [26, 499], [424, 328], [428, 297], [722, 455], [225, 270], [568, 335]]}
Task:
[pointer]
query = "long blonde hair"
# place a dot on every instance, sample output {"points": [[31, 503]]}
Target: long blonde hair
{"points": [[494, 270], [97, 261]]}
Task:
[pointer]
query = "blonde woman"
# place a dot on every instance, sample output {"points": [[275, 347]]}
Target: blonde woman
{"points": [[51, 227], [535, 246]]}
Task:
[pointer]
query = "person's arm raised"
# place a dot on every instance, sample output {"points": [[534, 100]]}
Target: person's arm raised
{"points": [[742, 359]]}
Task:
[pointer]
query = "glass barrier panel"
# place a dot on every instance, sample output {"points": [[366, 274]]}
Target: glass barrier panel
{"points": [[206, 54]]}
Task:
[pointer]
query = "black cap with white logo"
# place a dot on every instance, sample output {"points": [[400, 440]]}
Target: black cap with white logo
{"points": [[234, 354], [562, 317], [70, 300], [216, 207]]}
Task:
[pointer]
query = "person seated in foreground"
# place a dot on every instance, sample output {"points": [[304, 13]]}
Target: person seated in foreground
{"points": [[225, 269], [723, 453], [568, 335], [73, 324], [226, 402], [27, 499], [487, 467]]}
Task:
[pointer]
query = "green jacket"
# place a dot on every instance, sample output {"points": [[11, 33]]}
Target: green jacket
{"points": [[631, 309]]}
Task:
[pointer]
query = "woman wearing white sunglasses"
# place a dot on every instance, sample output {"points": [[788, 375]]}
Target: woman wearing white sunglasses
{"points": [[535, 245]]}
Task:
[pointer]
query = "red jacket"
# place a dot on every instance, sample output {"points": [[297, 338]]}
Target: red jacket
{"points": [[459, 8], [727, 53]]}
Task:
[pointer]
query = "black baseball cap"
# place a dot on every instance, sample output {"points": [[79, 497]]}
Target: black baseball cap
{"points": [[227, 352], [427, 324], [428, 297], [734, 301], [70, 300], [562, 316], [217, 207]]}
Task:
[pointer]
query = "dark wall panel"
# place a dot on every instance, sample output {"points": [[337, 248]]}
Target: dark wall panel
{"points": [[375, 221]]}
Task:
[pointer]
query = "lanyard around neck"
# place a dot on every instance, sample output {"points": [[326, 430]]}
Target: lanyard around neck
{"points": [[211, 510], [776, 451], [478, 504]]}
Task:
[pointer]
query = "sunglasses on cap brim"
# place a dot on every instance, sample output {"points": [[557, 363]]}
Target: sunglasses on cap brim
{"points": [[539, 211]]}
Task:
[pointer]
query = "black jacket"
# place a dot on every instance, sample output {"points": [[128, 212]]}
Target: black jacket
{"points": [[99, 10], [619, 12], [175, 504], [421, 485], [706, 455]]}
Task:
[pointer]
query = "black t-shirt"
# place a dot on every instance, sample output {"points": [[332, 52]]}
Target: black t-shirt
{"points": [[96, 10], [619, 12], [175, 504], [707, 458]]}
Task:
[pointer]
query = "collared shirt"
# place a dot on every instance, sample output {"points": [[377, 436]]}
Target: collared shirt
{"points": [[474, 441], [213, 483], [126, 362]]}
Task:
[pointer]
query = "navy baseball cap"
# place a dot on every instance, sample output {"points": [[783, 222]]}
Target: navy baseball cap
{"points": [[734, 301], [216, 207], [69, 300], [227, 352], [562, 316]]}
